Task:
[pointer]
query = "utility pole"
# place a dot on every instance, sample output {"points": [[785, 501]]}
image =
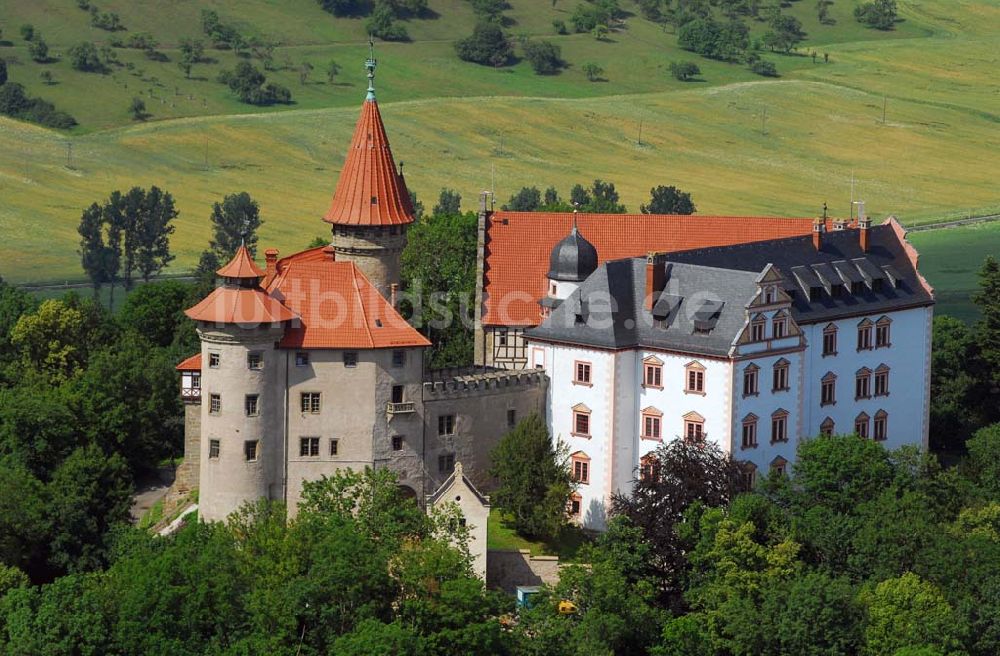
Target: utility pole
{"points": [[69, 154], [640, 131], [883, 108], [763, 122]]}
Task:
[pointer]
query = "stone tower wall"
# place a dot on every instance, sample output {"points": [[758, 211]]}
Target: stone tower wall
{"points": [[376, 250]]}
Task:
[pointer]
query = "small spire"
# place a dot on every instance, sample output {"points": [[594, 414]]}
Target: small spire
{"points": [[575, 231], [370, 64], [824, 209]]}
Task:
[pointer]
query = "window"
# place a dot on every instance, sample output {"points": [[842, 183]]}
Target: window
{"points": [[651, 421], [511, 418], [827, 427], [397, 393], [647, 467], [301, 359], [694, 428], [581, 420], [398, 359], [882, 332], [780, 378], [779, 326], [815, 293], [501, 337], [779, 426], [350, 359], [310, 402], [865, 335], [397, 442], [862, 383], [308, 447], [695, 378], [446, 463], [750, 431], [830, 340], [214, 404], [748, 472], [779, 466], [880, 425], [581, 373], [251, 405], [213, 449], [828, 389], [652, 373], [213, 360], [255, 361], [195, 380], [757, 329], [882, 380], [334, 446], [250, 448], [750, 380], [580, 463], [574, 505], [446, 425], [861, 425], [770, 294]]}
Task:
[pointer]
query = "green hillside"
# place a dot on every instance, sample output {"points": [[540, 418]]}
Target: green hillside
{"points": [[933, 156]]}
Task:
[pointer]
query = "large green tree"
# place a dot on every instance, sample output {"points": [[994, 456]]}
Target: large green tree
{"points": [[235, 221]]}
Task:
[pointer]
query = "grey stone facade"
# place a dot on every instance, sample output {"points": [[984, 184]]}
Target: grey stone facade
{"points": [[376, 250]]}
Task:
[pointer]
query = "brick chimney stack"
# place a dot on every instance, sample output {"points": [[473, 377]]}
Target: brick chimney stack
{"points": [[819, 228], [271, 261], [656, 277], [864, 226]]}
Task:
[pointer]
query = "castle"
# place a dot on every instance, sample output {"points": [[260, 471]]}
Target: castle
{"points": [[752, 332]]}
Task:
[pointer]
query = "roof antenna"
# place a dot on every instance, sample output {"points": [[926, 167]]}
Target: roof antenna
{"points": [[370, 64]]}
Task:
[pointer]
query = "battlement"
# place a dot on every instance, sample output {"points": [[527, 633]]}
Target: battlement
{"points": [[464, 381]]}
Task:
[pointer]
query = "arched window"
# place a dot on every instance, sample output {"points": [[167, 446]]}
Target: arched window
{"points": [[880, 426], [652, 420], [861, 425], [580, 467], [779, 426], [694, 375], [749, 440]]}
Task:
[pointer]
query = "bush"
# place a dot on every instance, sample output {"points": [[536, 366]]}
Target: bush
{"points": [[593, 71], [14, 102], [710, 38], [84, 57], [764, 67], [586, 17], [880, 14], [39, 50], [559, 26], [27, 31], [382, 23], [249, 85], [544, 57], [684, 70], [3, 71], [488, 45]]}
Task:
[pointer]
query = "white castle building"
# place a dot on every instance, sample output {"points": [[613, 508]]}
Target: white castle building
{"points": [[753, 346]]}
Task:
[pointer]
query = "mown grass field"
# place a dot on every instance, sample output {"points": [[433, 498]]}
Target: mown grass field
{"points": [[934, 156], [950, 259]]}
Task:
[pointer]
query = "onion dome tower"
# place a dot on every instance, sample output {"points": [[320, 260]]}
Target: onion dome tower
{"points": [[242, 415], [371, 206], [572, 261]]}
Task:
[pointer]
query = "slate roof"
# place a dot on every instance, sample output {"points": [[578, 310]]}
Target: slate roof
{"points": [[572, 259], [612, 301], [889, 258], [519, 245]]}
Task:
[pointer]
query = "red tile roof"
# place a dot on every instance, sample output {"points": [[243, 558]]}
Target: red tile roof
{"points": [[190, 364], [369, 190], [240, 305], [338, 306], [518, 245], [241, 266]]}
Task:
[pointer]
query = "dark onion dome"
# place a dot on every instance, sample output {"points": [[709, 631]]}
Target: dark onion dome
{"points": [[573, 259]]}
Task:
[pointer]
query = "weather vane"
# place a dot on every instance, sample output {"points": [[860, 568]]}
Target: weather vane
{"points": [[370, 65]]}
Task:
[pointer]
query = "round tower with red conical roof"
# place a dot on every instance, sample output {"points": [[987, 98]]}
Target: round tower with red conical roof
{"points": [[371, 207]]}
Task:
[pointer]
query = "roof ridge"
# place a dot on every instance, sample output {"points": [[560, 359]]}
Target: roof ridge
{"points": [[364, 310]]}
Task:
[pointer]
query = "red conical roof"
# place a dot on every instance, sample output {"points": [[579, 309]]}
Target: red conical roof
{"points": [[370, 191], [241, 266]]}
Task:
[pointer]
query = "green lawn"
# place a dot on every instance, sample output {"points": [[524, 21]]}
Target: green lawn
{"points": [[500, 536], [951, 259]]}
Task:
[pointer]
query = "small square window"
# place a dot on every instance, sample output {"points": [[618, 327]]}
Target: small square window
{"points": [[213, 449], [446, 463], [213, 360], [350, 358], [397, 442], [398, 358], [301, 359], [334, 446], [251, 404], [214, 404], [308, 447], [255, 361], [250, 450]]}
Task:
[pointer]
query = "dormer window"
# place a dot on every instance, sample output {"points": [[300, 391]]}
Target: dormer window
{"points": [[836, 291], [779, 326], [857, 288], [815, 294], [770, 295], [757, 327]]}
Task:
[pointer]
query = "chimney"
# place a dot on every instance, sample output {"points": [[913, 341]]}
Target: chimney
{"points": [[330, 253], [864, 223], [393, 293], [656, 277], [819, 228], [271, 262]]}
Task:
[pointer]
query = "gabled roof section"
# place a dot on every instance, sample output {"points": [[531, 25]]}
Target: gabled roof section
{"points": [[518, 246], [192, 363], [450, 483], [241, 266], [337, 305], [370, 191]]}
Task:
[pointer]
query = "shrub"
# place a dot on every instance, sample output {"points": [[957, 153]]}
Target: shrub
{"points": [[27, 31], [593, 71], [880, 14], [84, 57], [39, 50], [488, 45], [382, 23], [559, 26], [137, 109], [14, 102], [764, 67], [684, 70], [3, 71], [249, 85], [586, 17], [544, 57]]}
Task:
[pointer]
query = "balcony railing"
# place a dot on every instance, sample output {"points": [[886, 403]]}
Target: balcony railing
{"points": [[403, 408], [191, 393]]}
